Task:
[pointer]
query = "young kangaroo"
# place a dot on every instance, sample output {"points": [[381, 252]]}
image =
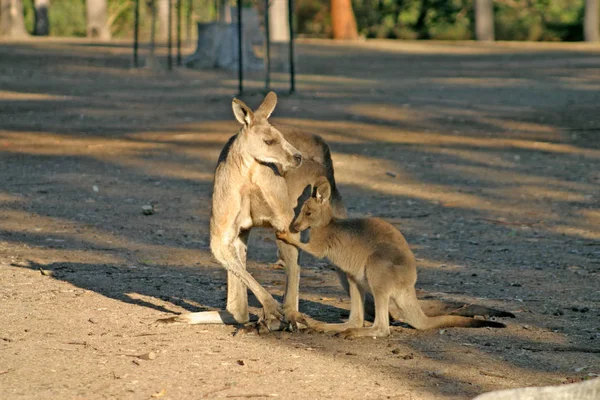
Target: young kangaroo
{"points": [[376, 259]]}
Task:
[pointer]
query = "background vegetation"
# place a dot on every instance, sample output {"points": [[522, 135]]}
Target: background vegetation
{"points": [[548, 20], [451, 19]]}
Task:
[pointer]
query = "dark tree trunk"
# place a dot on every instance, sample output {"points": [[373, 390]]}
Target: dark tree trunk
{"points": [[42, 25], [484, 20], [420, 27]]}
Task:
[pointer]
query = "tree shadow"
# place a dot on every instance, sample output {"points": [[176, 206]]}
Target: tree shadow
{"points": [[498, 203]]}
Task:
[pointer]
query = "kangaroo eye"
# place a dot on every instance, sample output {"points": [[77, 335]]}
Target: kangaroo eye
{"points": [[270, 142], [307, 213]]}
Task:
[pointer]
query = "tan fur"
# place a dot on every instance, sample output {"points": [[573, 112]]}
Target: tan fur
{"points": [[377, 260], [258, 180]]}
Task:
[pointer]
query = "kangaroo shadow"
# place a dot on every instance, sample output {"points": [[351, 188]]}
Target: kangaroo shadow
{"points": [[161, 288]]}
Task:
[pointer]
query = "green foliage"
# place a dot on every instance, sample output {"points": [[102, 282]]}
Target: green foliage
{"points": [[451, 19], [550, 20], [67, 17]]}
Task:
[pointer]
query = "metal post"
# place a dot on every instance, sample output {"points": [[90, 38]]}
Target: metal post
{"points": [[240, 61], [170, 36], [136, 32], [268, 48], [178, 5], [292, 66]]}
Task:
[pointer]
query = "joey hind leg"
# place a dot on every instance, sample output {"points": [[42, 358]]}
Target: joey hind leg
{"points": [[381, 326], [369, 303], [380, 285], [357, 315]]}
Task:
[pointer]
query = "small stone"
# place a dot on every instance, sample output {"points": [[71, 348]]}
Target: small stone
{"points": [[396, 350], [558, 312], [393, 175], [409, 356], [241, 362], [148, 209]]}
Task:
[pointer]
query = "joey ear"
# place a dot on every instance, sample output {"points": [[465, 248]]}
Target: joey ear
{"points": [[242, 112], [268, 105], [322, 190]]}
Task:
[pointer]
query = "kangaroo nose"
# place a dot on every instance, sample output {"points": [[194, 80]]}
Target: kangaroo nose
{"points": [[298, 158]]}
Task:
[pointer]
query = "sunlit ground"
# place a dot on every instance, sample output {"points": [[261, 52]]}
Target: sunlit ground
{"points": [[487, 157]]}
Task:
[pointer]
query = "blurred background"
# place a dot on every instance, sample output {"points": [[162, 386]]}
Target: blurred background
{"points": [[522, 20]]}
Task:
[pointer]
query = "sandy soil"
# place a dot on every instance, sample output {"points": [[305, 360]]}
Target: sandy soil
{"points": [[487, 157]]}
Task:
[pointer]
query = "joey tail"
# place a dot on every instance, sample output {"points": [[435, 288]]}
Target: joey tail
{"points": [[413, 315]]}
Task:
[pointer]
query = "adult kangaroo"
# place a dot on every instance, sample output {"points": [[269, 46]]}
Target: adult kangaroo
{"points": [[261, 173]]}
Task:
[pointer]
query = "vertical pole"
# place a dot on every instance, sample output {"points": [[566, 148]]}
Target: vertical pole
{"points": [[178, 5], [170, 35], [292, 66], [136, 32], [240, 61], [268, 48]]}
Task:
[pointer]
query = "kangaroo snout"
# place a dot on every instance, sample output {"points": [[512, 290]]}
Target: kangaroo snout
{"points": [[298, 159], [295, 228]]}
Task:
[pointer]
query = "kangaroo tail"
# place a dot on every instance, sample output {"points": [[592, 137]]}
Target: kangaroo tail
{"points": [[413, 315]]}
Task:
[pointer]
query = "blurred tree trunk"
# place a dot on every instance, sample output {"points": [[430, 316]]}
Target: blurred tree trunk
{"points": [[484, 20], [12, 22], [151, 61], [42, 25], [224, 12], [163, 19], [591, 23], [343, 22], [420, 26], [97, 19], [279, 28]]}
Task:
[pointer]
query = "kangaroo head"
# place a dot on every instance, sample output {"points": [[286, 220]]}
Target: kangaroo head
{"points": [[261, 140], [316, 211]]}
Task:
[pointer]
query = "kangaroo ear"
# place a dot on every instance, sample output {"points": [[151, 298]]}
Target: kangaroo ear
{"points": [[242, 112], [268, 105], [322, 190]]}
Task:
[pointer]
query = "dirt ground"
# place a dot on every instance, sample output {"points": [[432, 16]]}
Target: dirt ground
{"points": [[487, 157]]}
